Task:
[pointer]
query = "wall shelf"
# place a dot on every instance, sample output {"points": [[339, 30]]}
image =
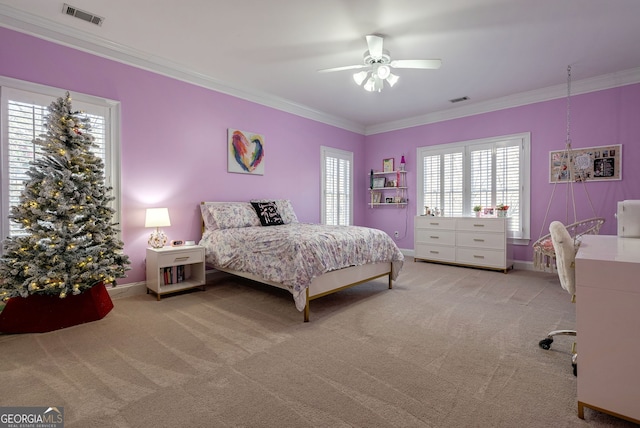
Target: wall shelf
{"points": [[383, 195]]}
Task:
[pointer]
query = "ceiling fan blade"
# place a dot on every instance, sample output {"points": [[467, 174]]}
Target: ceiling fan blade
{"points": [[375, 46], [416, 63], [347, 67]]}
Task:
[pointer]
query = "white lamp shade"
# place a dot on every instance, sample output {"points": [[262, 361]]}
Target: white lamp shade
{"points": [[392, 79], [359, 77], [157, 217]]}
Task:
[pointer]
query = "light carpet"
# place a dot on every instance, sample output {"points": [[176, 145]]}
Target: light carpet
{"points": [[446, 347]]}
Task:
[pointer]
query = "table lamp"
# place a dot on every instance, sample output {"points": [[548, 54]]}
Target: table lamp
{"points": [[157, 217]]}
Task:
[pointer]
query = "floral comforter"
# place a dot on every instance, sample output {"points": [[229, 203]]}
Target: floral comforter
{"points": [[294, 254]]}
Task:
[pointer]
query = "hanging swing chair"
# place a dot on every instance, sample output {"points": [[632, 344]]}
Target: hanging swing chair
{"points": [[544, 255]]}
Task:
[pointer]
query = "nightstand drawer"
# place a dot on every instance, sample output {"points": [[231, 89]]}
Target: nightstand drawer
{"points": [[185, 257]]}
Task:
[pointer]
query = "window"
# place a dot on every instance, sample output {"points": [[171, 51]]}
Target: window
{"points": [[458, 176], [337, 186], [23, 112]]}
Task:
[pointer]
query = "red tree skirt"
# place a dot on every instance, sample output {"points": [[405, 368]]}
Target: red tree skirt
{"points": [[39, 313]]}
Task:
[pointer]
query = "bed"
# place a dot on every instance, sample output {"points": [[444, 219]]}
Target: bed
{"points": [[263, 241]]}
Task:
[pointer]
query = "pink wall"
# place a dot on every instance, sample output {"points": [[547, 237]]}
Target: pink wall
{"points": [[173, 145], [598, 118], [173, 141]]}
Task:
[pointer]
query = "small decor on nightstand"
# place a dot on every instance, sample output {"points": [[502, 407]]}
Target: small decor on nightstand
{"points": [[157, 217]]}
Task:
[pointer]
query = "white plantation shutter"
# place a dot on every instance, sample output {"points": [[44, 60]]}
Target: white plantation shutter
{"points": [[442, 182], [481, 170], [456, 177], [453, 195], [337, 188], [23, 117], [508, 182]]}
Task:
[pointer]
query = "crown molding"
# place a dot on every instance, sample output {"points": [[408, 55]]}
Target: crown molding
{"points": [[598, 83], [48, 30], [45, 29]]}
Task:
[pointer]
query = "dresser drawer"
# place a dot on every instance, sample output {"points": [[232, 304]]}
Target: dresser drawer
{"points": [[435, 252], [480, 257], [482, 224], [435, 236], [181, 258], [494, 241], [431, 222]]}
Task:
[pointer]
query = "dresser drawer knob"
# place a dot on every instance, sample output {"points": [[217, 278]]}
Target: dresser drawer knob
{"points": [[434, 252], [478, 257], [181, 259], [478, 240]]}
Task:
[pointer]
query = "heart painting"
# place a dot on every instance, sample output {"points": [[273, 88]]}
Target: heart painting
{"points": [[246, 152]]}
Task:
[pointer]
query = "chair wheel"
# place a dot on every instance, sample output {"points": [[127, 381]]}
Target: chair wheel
{"points": [[546, 343]]}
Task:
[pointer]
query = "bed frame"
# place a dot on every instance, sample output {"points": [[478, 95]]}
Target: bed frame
{"points": [[328, 283]]}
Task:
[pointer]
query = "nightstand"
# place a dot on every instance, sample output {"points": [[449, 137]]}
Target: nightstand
{"points": [[172, 269]]}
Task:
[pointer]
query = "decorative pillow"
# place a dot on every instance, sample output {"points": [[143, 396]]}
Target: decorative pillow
{"points": [[229, 215], [268, 213], [285, 209]]}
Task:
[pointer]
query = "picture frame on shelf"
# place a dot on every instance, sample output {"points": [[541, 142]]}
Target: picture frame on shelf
{"points": [[387, 165], [379, 182], [389, 200]]}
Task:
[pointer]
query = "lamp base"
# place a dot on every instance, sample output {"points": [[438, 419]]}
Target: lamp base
{"points": [[157, 239]]}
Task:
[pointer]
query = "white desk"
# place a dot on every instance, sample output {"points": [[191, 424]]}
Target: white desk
{"points": [[608, 325]]}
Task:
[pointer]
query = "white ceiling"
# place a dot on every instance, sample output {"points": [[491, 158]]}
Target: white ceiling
{"points": [[269, 51]]}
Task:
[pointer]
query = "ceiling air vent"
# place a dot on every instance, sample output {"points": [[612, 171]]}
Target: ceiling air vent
{"points": [[458, 100], [81, 14]]}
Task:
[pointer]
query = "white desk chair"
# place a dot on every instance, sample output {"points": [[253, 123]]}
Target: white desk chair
{"points": [[565, 248]]}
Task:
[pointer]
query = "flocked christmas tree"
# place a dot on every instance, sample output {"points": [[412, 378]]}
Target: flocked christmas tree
{"points": [[71, 241]]}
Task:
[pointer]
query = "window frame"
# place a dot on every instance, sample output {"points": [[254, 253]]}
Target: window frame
{"points": [[523, 140], [46, 94], [330, 152]]}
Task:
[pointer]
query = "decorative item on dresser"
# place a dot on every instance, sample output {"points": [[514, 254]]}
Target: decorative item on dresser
{"points": [[465, 241]]}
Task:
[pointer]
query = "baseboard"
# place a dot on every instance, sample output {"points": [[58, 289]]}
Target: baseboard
{"points": [[127, 290]]}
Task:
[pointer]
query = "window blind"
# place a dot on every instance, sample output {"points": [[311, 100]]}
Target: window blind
{"points": [[337, 187], [24, 115], [458, 176]]}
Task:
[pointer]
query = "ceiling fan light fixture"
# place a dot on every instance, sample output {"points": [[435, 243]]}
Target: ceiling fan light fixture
{"points": [[360, 77], [370, 85], [392, 79], [383, 71]]}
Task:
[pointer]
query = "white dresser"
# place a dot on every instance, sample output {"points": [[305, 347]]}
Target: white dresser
{"points": [[467, 241], [607, 322]]}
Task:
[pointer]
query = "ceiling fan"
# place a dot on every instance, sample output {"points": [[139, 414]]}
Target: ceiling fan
{"points": [[378, 64]]}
